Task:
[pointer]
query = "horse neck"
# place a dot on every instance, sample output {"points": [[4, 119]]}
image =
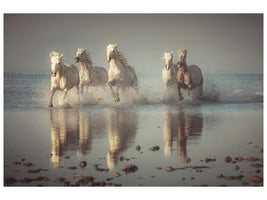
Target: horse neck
{"points": [[61, 69], [184, 68], [86, 65], [114, 63]]}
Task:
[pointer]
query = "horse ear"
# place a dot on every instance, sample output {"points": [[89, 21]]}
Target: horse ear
{"points": [[116, 45], [50, 54]]}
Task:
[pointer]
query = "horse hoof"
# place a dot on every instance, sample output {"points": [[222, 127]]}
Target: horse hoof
{"points": [[117, 99]]}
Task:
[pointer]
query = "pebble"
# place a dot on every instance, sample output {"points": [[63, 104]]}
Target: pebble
{"points": [[32, 171], [26, 180], [9, 180], [227, 159], [15, 163], [154, 148], [256, 165], [66, 157], [188, 160], [192, 178], [258, 171], [261, 150], [28, 164], [251, 159], [158, 167], [169, 169], [256, 179], [117, 174], [61, 179], [219, 176], [137, 148], [23, 159], [129, 168], [72, 168], [210, 160], [83, 164], [198, 170], [236, 167]]}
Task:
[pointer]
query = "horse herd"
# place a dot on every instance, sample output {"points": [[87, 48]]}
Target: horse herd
{"points": [[120, 76]]}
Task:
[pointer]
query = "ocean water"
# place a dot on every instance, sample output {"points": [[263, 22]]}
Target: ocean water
{"points": [[227, 122]]}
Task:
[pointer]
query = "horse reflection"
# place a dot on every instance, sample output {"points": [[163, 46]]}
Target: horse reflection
{"points": [[121, 130], [71, 130], [182, 126]]}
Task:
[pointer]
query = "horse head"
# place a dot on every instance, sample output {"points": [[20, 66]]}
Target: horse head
{"points": [[182, 54], [55, 58], [168, 60], [111, 51], [80, 55]]}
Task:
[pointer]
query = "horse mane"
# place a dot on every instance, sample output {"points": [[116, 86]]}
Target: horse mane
{"points": [[121, 58], [88, 58]]}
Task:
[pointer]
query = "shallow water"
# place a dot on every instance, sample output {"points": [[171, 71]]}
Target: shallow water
{"points": [[55, 139]]}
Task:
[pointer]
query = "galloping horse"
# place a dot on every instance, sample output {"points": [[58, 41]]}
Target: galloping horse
{"points": [[188, 77], [89, 75], [120, 74], [63, 76], [169, 72]]}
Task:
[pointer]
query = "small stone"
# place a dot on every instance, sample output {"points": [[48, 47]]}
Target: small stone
{"points": [[32, 171], [28, 164], [219, 176], [61, 179], [116, 174], [198, 170], [138, 148], [261, 150], [250, 142], [72, 168], [15, 163], [227, 159], [23, 159], [66, 157], [83, 164], [258, 171], [169, 169], [244, 183], [234, 162], [26, 180], [129, 168], [188, 160], [158, 167], [236, 167], [192, 178], [256, 179], [154, 148], [256, 165], [9, 180]]}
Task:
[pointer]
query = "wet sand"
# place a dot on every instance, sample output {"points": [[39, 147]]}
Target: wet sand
{"points": [[144, 145]]}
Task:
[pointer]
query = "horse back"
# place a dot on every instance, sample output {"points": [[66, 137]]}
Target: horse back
{"points": [[196, 74]]}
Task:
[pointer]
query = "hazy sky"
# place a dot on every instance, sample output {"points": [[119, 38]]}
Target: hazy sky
{"points": [[216, 43]]}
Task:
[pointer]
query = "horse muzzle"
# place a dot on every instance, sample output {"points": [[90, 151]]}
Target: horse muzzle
{"points": [[76, 59], [53, 74]]}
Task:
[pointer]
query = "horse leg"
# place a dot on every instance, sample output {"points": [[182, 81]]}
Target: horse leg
{"points": [[51, 98], [179, 92], [64, 94], [81, 86], [78, 94], [117, 99], [115, 95]]}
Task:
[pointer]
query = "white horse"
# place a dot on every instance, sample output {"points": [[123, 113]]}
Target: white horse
{"points": [[89, 75], [169, 72], [188, 77], [120, 74], [63, 76]]}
